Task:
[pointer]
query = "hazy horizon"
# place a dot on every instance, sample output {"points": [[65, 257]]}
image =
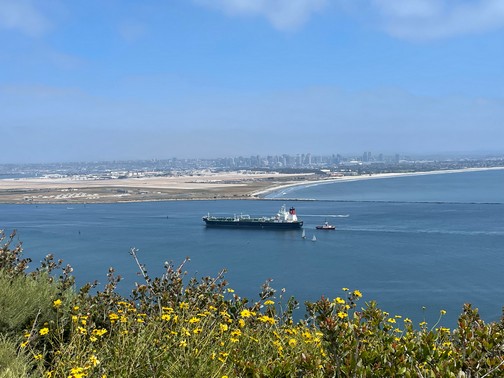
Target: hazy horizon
{"points": [[347, 157], [104, 81]]}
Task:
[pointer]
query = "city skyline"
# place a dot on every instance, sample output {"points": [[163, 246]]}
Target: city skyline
{"points": [[99, 81]]}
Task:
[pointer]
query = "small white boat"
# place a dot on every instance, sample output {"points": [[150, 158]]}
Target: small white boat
{"points": [[314, 238], [326, 226]]}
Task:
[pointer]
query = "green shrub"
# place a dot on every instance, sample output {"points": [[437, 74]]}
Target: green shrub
{"points": [[13, 364]]}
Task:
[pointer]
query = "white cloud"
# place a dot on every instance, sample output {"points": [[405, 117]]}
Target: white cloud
{"points": [[22, 15], [282, 14], [430, 19], [408, 19]]}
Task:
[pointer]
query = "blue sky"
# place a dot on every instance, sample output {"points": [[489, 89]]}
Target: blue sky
{"points": [[111, 80]]}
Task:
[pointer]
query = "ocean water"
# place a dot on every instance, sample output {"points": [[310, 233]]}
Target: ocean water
{"points": [[414, 244]]}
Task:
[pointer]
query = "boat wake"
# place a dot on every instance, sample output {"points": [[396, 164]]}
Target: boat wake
{"points": [[327, 215], [423, 231]]}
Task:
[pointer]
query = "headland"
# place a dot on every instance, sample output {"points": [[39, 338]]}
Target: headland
{"points": [[198, 186]]}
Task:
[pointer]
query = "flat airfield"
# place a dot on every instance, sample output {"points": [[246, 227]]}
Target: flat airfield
{"points": [[234, 185]]}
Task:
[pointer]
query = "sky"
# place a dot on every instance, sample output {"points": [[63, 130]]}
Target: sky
{"points": [[94, 80]]}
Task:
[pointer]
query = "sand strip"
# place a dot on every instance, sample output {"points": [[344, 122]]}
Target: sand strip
{"points": [[232, 185]]}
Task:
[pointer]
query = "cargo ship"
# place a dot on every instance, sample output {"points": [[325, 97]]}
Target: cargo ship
{"points": [[283, 220]]}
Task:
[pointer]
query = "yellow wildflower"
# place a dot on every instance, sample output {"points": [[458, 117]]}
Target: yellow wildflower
{"points": [[99, 331], [223, 327], [236, 333], [292, 342], [339, 300], [183, 344], [166, 317], [194, 320], [57, 303], [345, 289], [241, 323], [230, 290], [223, 356], [37, 356], [77, 372], [357, 293], [94, 360], [246, 313], [443, 312], [269, 302], [44, 331], [183, 306], [267, 319], [342, 315]]}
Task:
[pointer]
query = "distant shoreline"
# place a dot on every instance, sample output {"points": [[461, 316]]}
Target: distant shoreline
{"points": [[219, 186], [370, 177]]}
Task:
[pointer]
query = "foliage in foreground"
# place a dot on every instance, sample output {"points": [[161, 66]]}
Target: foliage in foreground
{"points": [[169, 328]]}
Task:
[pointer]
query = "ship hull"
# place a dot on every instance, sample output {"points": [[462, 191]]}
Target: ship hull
{"points": [[327, 228], [250, 224]]}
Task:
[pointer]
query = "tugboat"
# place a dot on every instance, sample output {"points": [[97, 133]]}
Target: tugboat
{"points": [[326, 226], [283, 220]]}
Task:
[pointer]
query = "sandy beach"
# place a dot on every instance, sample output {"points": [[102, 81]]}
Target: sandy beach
{"points": [[265, 191], [232, 185]]}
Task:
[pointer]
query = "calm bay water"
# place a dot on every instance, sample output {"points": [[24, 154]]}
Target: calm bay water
{"points": [[434, 241]]}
